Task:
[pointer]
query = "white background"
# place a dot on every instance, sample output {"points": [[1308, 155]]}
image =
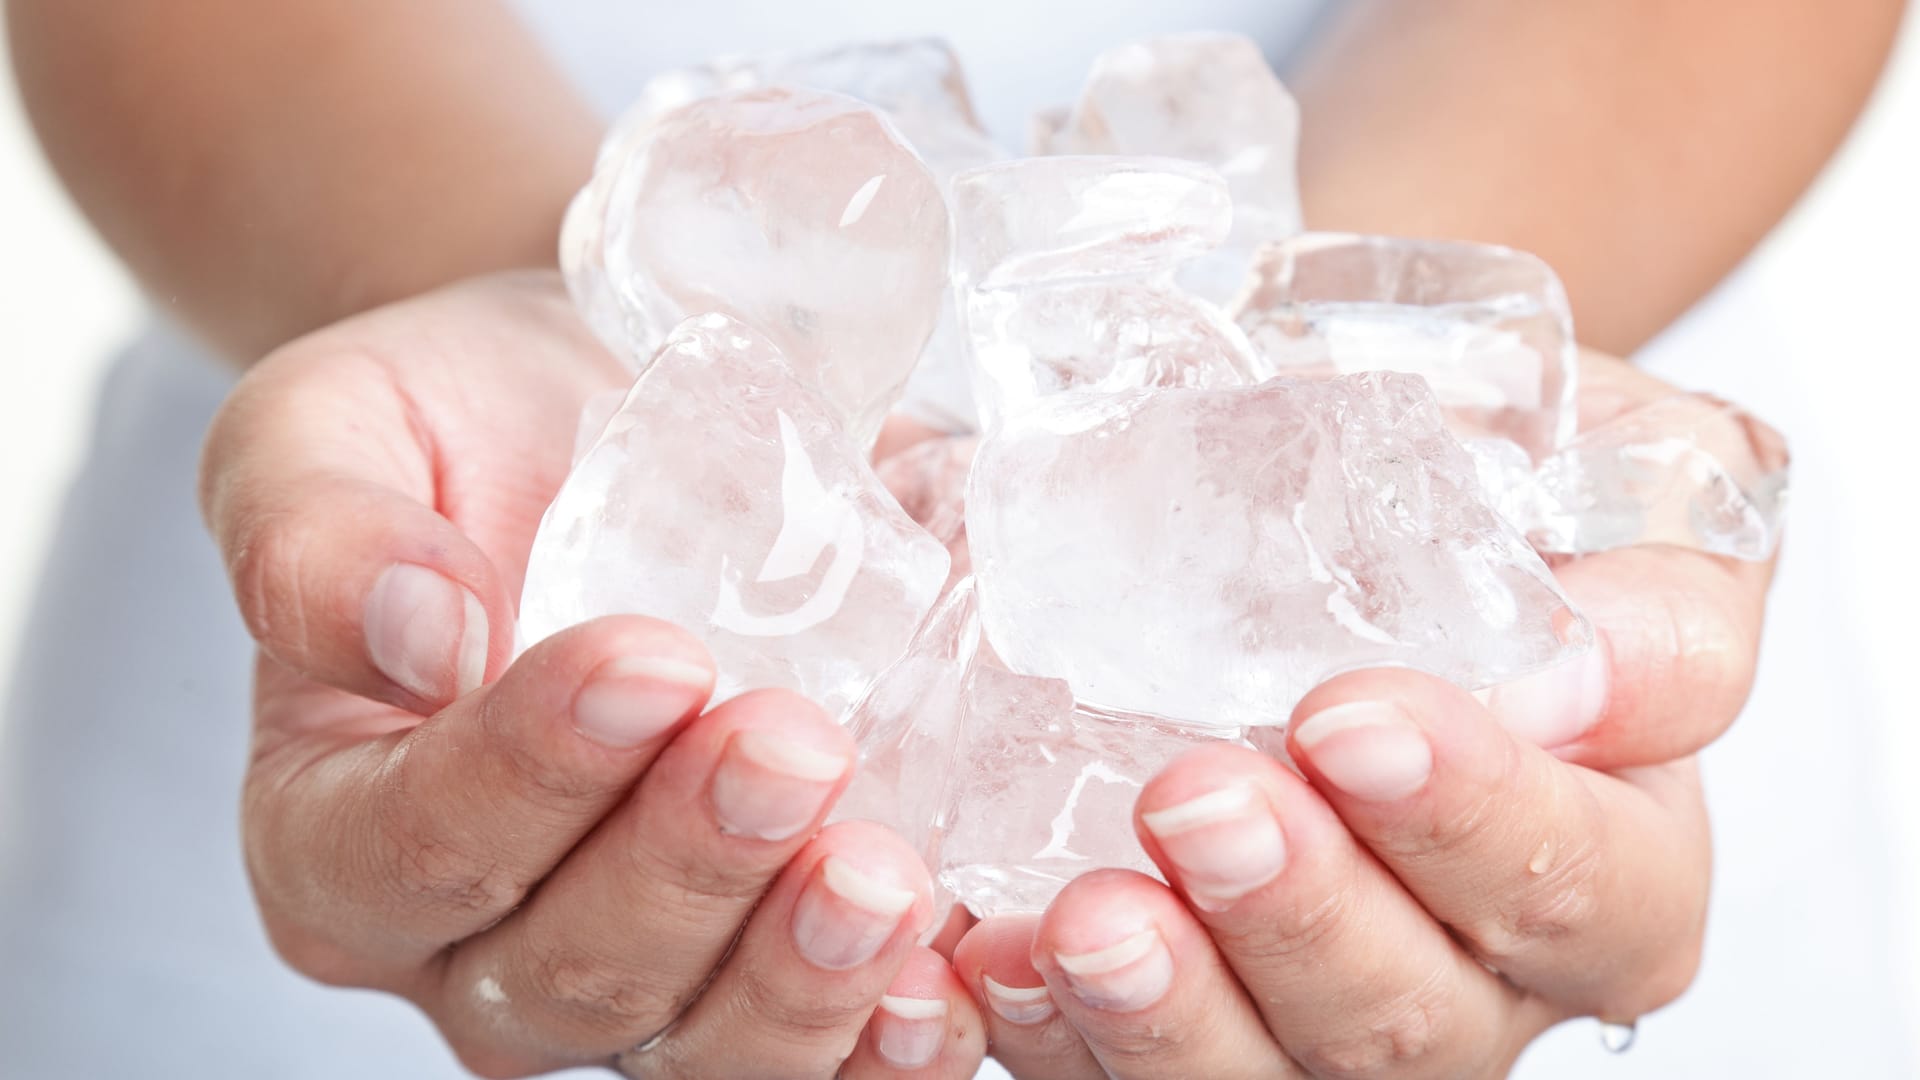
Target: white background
{"points": [[1838, 286]]}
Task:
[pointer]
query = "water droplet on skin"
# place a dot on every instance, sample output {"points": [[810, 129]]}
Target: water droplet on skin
{"points": [[1617, 1038]]}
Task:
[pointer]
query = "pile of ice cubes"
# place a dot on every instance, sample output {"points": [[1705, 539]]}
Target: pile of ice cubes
{"points": [[1195, 460]]}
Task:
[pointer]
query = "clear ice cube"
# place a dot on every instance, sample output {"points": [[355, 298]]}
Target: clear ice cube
{"points": [[1690, 470], [799, 212], [1488, 327], [1065, 273], [726, 497], [1204, 97], [1208, 556], [1046, 791]]}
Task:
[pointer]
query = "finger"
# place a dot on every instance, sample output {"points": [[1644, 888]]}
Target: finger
{"points": [[623, 934], [1350, 974], [926, 1026], [1029, 1035], [812, 964], [1142, 983], [1576, 884], [1678, 637], [371, 856], [320, 493]]}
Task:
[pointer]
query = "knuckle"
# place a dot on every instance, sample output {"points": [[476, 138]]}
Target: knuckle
{"points": [[1457, 829], [598, 995], [698, 881], [539, 774], [1404, 1030], [1293, 931], [1129, 1044], [1563, 900], [433, 872], [823, 1023], [1130, 1047]]}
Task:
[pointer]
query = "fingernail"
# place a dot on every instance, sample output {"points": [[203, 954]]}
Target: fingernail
{"points": [[632, 699], [426, 633], [1124, 977], [909, 1032], [1368, 749], [844, 916], [771, 787], [1017, 1004], [1225, 844], [1555, 707]]}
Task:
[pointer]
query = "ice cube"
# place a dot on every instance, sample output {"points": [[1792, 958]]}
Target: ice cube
{"points": [[1208, 556], [726, 497], [1203, 97], [799, 212], [1046, 791], [1487, 327], [1065, 273]]}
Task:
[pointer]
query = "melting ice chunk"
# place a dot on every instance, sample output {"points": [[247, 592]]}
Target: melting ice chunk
{"points": [[1204, 97], [799, 212], [1046, 791], [724, 496], [1690, 470], [1065, 270], [916, 82], [909, 726], [1208, 556], [1039, 220], [1487, 327], [919, 86]]}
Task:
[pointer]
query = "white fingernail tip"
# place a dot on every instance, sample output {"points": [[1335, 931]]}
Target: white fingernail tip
{"points": [[1212, 808], [1018, 1004], [790, 758], [907, 1008], [1348, 716], [1126, 977], [1112, 958], [666, 669], [864, 892], [471, 669]]}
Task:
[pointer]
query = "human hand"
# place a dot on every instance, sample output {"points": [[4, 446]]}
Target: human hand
{"points": [[1450, 874], [564, 859]]}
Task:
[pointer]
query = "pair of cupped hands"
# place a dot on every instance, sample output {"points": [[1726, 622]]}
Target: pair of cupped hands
{"points": [[569, 859]]}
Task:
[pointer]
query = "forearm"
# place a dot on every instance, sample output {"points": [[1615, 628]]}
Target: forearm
{"points": [[1642, 147], [267, 169]]}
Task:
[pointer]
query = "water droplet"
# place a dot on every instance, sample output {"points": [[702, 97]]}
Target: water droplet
{"points": [[1617, 1038], [1541, 860]]}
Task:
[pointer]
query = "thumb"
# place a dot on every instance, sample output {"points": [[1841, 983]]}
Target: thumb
{"points": [[1678, 641], [319, 490]]}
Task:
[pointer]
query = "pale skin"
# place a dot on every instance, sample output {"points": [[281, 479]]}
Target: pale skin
{"points": [[409, 787]]}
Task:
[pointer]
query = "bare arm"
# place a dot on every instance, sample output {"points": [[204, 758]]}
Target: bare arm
{"points": [[268, 169], [1642, 147]]}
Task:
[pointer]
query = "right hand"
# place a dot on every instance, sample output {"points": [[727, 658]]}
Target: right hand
{"points": [[558, 859]]}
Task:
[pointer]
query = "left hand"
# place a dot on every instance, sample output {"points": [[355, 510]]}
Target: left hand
{"points": [[1454, 874]]}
